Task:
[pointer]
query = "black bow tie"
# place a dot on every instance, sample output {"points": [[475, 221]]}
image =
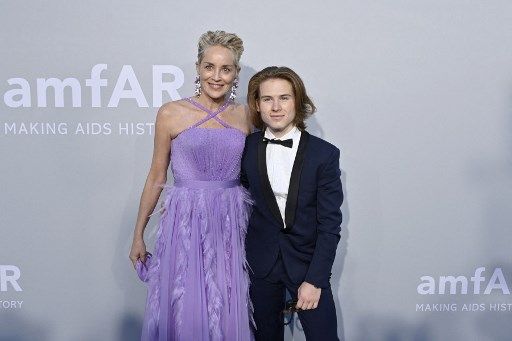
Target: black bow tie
{"points": [[287, 143]]}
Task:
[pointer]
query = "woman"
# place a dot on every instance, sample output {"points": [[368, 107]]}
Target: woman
{"points": [[197, 280]]}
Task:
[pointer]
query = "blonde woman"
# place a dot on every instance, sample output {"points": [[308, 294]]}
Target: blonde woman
{"points": [[196, 277]]}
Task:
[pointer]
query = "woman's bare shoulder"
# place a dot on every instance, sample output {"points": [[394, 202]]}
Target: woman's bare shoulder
{"points": [[174, 108], [178, 112], [177, 115]]}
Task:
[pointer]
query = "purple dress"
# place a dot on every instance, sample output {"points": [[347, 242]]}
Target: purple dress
{"points": [[197, 277]]}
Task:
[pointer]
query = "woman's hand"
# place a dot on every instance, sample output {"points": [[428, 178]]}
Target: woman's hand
{"points": [[138, 251], [156, 178]]}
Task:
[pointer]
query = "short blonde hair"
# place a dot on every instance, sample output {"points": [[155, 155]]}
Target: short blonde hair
{"points": [[221, 38]]}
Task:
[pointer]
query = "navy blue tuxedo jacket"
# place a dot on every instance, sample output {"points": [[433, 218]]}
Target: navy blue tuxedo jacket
{"points": [[312, 215]]}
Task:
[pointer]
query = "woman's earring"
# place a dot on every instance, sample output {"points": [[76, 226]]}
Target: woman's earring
{"points": [[197, 83], [232, 96]]}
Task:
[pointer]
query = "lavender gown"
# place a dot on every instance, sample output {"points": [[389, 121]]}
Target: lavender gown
{"points": [[197, 278]]}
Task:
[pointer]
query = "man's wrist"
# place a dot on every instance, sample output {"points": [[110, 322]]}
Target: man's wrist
{"points": [[314, 285]]}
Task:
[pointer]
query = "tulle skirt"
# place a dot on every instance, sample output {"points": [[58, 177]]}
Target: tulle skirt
{"points": [[197, 278]]}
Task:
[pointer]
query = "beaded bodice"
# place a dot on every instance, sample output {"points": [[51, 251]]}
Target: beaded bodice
{"points": [[199, 153]]}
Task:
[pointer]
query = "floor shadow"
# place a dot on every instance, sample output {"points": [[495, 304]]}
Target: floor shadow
{"points": [[14, 327], [130, 326], [387, 329]]}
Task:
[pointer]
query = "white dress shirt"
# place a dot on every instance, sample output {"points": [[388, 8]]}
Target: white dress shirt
{"points": [[280, 161]]}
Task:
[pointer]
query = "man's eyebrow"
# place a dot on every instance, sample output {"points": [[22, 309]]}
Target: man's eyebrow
{"points": [[285, 94]]}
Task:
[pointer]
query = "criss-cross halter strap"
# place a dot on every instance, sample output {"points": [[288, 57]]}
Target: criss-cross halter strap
{"points": [[211, 114]]}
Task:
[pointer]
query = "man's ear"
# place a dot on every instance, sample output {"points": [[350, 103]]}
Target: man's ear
{"points": [[257, 106]]}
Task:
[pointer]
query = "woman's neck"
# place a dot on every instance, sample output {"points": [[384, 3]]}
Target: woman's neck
{"points": [[209, 103]]}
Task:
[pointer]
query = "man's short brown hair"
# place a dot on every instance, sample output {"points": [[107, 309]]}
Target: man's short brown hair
{"points": [[303, 105]]}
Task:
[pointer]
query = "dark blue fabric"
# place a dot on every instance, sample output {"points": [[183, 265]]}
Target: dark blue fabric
{"points": [[268, 296], [308, 246]]}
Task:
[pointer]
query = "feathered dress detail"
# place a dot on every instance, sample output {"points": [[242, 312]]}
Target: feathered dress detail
{"points": [[197, 278]]}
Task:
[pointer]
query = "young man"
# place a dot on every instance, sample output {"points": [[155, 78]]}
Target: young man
{"points": [[294, 179]]}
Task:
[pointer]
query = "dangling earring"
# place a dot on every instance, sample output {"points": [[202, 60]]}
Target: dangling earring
{"points": [[197, 83], [232, 96]]}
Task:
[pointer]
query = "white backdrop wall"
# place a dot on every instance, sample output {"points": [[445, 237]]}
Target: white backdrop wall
{"points": [[417, 95]]}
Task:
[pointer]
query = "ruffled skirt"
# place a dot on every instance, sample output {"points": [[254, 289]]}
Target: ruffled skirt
{"points": [[198, 285]]}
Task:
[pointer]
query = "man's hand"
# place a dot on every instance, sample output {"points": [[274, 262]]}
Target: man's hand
{"points": [[308, 296]]}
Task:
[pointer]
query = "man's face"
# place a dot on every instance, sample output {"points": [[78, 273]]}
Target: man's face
{"points": [[276, 105]]}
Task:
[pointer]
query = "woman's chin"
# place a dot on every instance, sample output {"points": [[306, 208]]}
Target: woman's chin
{"points": [[215, 94]]}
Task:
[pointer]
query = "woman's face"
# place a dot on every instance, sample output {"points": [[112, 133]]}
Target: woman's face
{"points": [[217, 71]]}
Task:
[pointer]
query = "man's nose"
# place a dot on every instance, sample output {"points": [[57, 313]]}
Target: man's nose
{"points": [[276, 106]]}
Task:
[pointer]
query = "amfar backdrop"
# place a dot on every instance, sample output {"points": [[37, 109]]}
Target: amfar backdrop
{"points": [[417, 95]]}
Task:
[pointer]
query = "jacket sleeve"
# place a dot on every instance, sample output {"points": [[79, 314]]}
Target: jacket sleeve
{"points": [[329, 218], [243, 175]]}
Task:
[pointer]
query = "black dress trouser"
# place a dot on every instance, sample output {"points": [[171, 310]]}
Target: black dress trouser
{"points": [[268, 297]]}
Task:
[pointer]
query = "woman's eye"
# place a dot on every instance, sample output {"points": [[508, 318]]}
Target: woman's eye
{"points": [[208, 67]]}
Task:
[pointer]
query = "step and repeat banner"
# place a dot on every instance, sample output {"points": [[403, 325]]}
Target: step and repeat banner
{"points": [[417, 95]]}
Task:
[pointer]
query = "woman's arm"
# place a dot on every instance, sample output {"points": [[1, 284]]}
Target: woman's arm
{"points": [[156, 178]]}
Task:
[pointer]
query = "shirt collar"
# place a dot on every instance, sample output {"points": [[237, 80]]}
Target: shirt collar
{"points": [[292, 134]]}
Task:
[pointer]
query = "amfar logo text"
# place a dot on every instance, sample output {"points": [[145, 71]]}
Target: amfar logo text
{"points": [[21, 93], [9, 274], [461, 284]]}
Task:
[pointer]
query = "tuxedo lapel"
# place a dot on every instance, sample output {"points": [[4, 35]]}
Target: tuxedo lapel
{"points": [[293, 189], [268, 194]]}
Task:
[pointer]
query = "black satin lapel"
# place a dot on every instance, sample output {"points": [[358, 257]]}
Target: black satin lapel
{"points": [[268, 194], [293, 189]]}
